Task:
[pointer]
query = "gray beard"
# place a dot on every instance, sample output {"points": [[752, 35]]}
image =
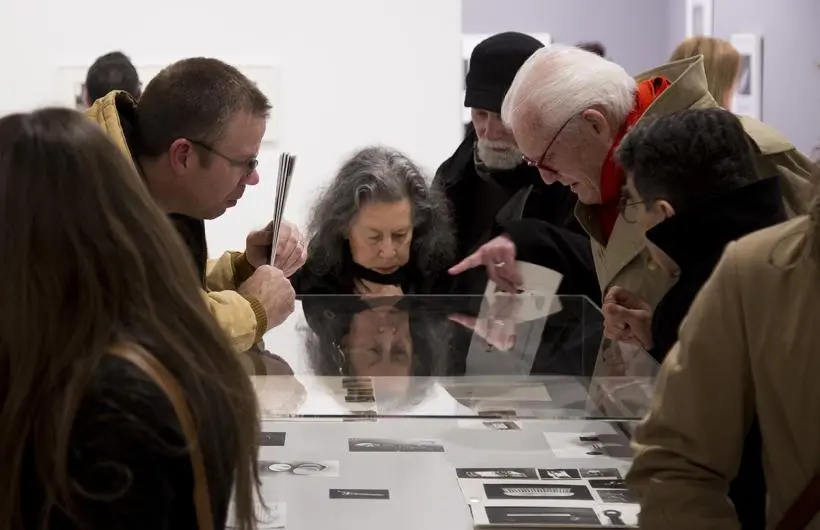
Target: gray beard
{"points": [[498, 160]]}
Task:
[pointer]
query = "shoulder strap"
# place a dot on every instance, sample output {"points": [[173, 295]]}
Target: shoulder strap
{"points": [[802, 510], [149, 364]]}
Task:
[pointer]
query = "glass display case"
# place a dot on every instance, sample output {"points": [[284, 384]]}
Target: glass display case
{"points": [[447, 412]]}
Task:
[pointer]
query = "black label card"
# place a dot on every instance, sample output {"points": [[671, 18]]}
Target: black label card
{"points": [[272, 438], [359, 494], [607, 484]]}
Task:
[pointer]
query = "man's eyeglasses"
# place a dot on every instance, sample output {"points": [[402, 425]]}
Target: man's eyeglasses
{"points": [[248, 164], [627, 208], [540, 164]]}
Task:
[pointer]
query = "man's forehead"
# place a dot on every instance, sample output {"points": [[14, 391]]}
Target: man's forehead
{"points": [[244, 133]]}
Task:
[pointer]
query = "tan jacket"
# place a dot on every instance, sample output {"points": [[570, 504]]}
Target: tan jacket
{"points": [[750, 343], [242, 318], [623, 260]]}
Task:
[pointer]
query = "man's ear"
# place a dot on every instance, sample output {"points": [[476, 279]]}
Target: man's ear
{"points": [[597, 121], [181, 155], [666, 208]]}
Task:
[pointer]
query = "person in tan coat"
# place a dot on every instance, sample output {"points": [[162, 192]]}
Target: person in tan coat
{"points": [[568, 110], [748, 347], [194, 138]]}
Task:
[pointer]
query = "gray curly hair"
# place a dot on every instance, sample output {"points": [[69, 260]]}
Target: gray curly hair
{"points": [[380, 174]]}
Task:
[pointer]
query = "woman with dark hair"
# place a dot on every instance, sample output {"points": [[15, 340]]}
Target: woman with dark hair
{"points": [[379, 229], [121, 402]]}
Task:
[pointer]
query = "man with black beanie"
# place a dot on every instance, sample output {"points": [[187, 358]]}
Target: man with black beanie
{"points": [[486, 181]]}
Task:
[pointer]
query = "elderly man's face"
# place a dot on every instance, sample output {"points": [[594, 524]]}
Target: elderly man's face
{"points": [[496, 145], [572, 154]]}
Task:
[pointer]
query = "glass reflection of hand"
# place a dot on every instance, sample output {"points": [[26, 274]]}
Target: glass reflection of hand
{"points": [[496, 324]]}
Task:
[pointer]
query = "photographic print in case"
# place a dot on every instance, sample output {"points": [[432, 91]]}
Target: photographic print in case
{"points": [[559, 474], [302, 468], [498, 473], [558, 516], [574, 492]]}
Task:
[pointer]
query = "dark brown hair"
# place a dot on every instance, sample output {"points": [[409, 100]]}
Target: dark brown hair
{"points": [[593, 47], [195, 99], [90, 261], [112, 71]]}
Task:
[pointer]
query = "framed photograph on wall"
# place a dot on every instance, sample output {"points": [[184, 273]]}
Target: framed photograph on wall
{"points": [[699, 17], [748, 100], [468, 43]]}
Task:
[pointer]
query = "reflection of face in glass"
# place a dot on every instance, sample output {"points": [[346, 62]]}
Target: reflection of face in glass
{"points": [[379, 343]]}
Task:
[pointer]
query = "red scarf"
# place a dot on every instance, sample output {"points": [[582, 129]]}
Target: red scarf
{"points": [[612, 176]]}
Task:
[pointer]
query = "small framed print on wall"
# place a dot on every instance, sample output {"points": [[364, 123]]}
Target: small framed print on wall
{"points": [[699, 17], [748, 98]]}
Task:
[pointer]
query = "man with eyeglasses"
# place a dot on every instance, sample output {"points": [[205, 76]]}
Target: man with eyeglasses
{"points": [[486, 180], [194, 137], [568, 110]]}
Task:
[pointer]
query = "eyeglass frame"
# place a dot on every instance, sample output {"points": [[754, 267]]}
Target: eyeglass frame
{"points": [[250, 164], [625, 203], [540, 164]]}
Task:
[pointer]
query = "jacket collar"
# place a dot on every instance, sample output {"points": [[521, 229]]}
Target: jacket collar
{"points": [[707, 228], [689, 88], [116, 114]]}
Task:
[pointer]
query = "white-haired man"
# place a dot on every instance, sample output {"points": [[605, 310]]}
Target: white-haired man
{"points": [[568, 109]]}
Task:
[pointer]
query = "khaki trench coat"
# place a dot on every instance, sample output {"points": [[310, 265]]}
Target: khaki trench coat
{"points": [[623, 260], [750, 344]]}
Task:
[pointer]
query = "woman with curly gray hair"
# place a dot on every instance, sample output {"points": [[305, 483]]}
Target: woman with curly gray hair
{"points": [[378, 229]]}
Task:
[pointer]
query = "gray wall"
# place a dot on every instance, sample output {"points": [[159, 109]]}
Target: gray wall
{"points": [[791, 53], [624, 26]]}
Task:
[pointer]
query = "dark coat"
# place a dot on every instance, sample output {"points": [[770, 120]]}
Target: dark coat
{"points": [[340, 279], [125, 424], [695, 241], [483, 207]]}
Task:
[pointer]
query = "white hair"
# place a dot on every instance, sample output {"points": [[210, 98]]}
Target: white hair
{"points": [[559, 81]]}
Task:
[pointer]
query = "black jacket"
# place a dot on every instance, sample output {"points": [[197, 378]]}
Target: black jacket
{"points": [[695, 241], [340, 279], [126, 438], [483, 206]]}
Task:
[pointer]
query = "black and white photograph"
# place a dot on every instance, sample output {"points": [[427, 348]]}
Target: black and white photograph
{"points": [[360, 494], [559, 474], [385, 445], [588, 445], [619, 516], [616, 496], [744, 81], [600, 473], [546, 515], [607, 484], [502, 425], [276, 439], [303, 468], [748, 97], [574, 492], [498, 473]]}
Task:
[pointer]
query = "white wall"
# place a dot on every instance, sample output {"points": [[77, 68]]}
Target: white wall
{"points": [[352, 72]]}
